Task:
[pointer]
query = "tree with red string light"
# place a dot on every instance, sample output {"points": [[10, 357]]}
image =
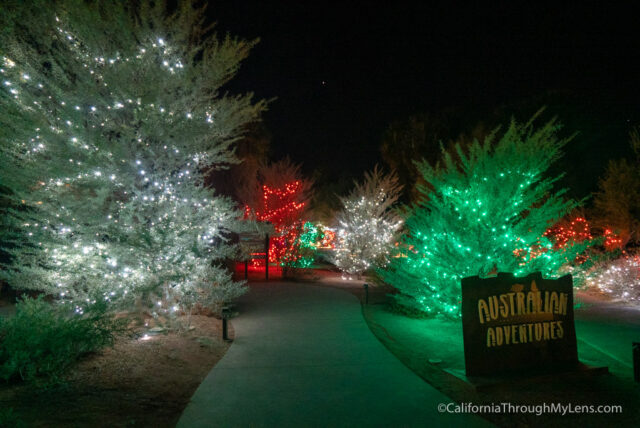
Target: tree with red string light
{"points": [[578, 230], [279, 195], [567, 232], [612, 240]]}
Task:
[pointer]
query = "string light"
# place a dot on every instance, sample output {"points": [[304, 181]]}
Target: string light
{"points": [[281, 208], [577, 230], [367, 225], [119, 212], [485, 214], [619, 278], [328, 238], [612, 240]]}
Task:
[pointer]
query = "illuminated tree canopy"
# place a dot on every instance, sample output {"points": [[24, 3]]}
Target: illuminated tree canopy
{"points": [[279, 195], [482, 212], [109, 124], [367, 224]]}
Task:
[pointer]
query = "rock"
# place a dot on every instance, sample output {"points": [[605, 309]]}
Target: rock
{"points": [[156, 331], [205, 342]]}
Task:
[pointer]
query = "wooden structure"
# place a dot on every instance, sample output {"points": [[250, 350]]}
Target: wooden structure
{"points": [[518, 325], [258, 249]]}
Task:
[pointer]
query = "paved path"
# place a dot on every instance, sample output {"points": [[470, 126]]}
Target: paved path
{"points": [[304, 356], [609, 328]]}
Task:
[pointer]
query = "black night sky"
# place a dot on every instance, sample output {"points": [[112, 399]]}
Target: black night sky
{"points": [[342, 72]]}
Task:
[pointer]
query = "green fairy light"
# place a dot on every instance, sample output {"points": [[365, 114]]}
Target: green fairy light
{"points": [[457, 239], [305, 246]]}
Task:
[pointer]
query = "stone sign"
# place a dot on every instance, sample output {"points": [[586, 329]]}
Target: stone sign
{"points": [[510, 324]]}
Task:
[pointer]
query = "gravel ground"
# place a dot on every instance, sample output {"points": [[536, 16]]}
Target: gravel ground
{"points": [[145, 383]]}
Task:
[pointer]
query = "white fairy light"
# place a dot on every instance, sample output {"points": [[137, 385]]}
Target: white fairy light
{"points": [[619, 278], [367, 225], [99, 222]]}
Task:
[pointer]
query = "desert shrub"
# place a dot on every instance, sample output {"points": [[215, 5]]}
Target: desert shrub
{"points": [[205, 293], [368, 224], [8, 418], [41, 341], [212, 290], [618, 278]]}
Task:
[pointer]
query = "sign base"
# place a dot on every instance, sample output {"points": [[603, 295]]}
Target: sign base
{"points": [[481, 383]]}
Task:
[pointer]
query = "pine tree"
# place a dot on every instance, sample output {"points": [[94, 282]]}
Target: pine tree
{"points": [[486, 213], [111, 117], [367, 224]]}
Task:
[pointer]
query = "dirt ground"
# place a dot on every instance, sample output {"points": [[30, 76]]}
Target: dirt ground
{"points": [[141, 381]]}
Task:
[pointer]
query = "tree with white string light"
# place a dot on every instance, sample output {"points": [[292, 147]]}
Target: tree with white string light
{"points": [[367, 224], [111, 117]]}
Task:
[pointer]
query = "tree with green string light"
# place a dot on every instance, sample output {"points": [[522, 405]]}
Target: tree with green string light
{"points": [[482, 211], [303, 251]]}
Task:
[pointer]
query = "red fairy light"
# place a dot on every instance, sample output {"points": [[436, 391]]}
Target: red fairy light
{"points": [[577, 230], [281, 209], [612, 240], [562, 235], [531, 252], [328, 239]]}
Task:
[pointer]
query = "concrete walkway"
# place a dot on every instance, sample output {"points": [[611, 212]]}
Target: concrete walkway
{"points": [[304, 356], [608, 328]]}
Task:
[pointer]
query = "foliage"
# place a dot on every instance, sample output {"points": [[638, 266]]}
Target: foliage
{"points": [[209, 289], [486, 213], [324, 204], [617, 202], [303, 251], [9, 419], [576, 229], [367, 224], [420, 136], [253, 149], [569, 231], [41, 341], [112, 116], [619, 278], [276, 175], [279, 195]]}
